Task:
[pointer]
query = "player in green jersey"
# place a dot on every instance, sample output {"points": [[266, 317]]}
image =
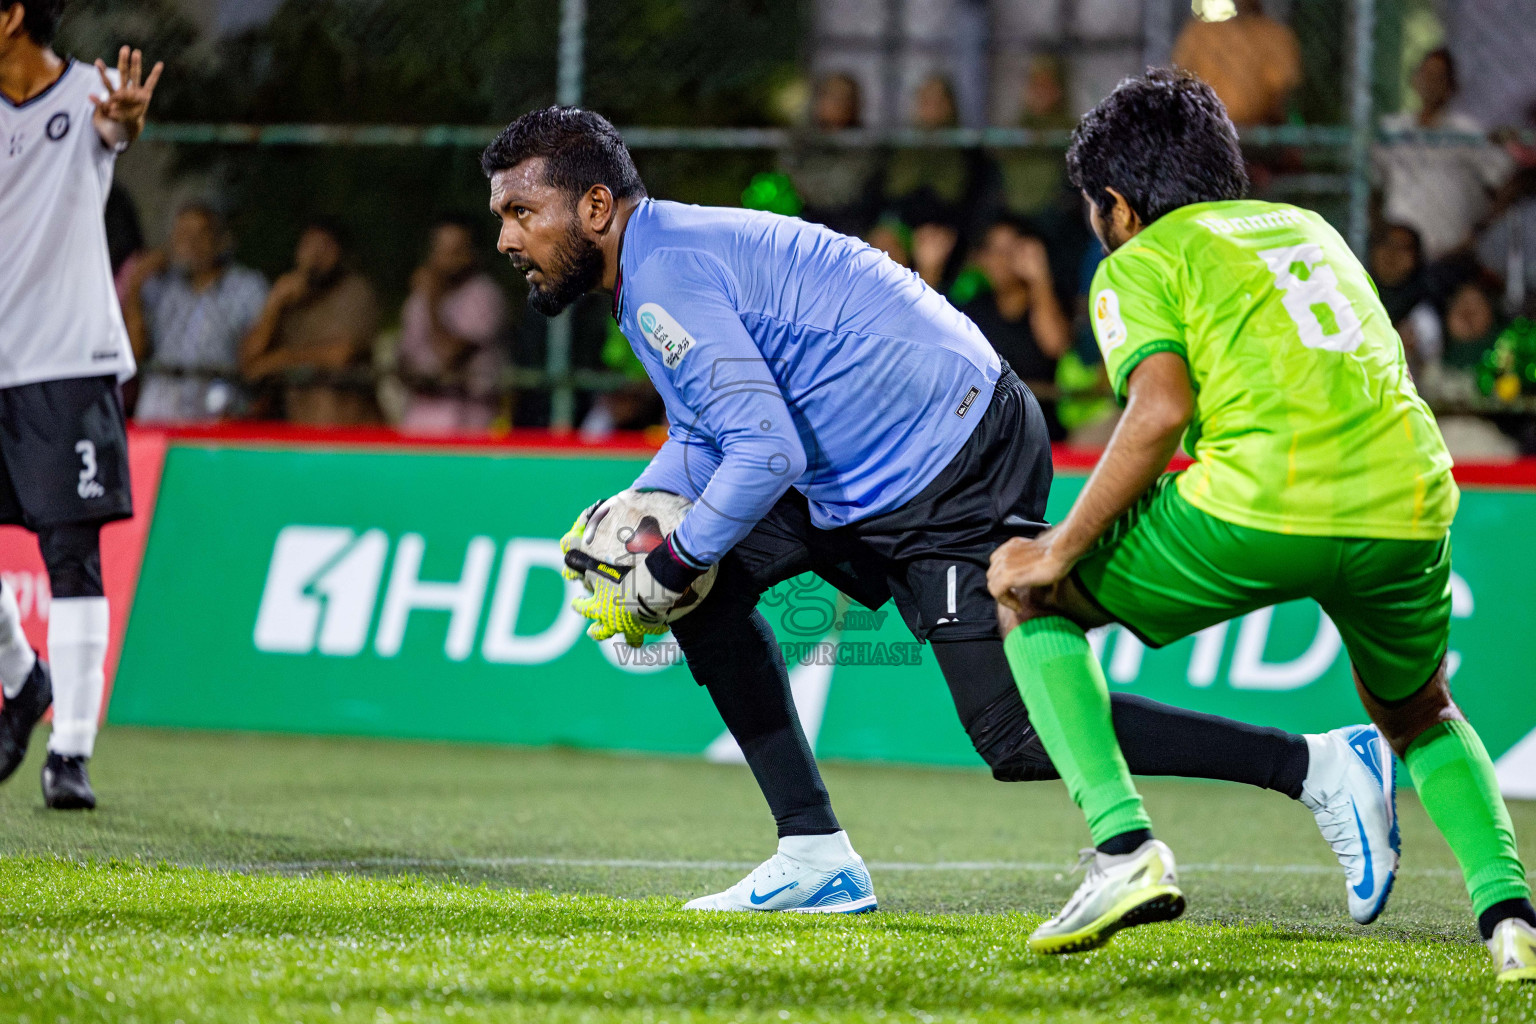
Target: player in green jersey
{"points": [[1250, 330]]}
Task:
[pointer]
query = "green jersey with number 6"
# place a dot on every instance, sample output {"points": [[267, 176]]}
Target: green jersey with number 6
{"points": [[1305, 418]]}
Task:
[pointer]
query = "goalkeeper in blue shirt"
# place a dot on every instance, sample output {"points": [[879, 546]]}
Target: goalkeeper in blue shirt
{"points": [[832, 414]]}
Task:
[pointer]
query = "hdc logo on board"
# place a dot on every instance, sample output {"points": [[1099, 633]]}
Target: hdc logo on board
{"points": [[323, 587], [326, 587]]}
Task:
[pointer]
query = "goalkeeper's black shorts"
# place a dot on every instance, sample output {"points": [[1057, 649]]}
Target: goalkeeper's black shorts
{"points": [[931, 554]]}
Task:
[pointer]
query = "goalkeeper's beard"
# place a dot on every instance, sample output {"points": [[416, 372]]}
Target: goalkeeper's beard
{"points": [[575, 269]]}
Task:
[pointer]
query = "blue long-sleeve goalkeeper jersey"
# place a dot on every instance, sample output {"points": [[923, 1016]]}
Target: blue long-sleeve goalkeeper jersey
{"points": [[791, 356]]}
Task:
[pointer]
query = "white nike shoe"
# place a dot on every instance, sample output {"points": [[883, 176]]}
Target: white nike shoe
{"points": [[1120, 891], [1513, 947], [1351, 789], [808, 875]]}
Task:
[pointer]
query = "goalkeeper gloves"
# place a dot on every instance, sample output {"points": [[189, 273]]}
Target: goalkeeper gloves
{"points": [[623, 600], [576, 534], [633, 601]]}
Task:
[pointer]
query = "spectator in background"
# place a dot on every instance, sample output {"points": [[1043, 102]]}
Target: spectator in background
{"points": [[313, 342], [1033, 180], [450, 357], [1252, 61], [839, 185], [893, 238], [1441, 191], [1397, 267], [838, 103], [1521, 153], [1469, 328], [1019, 312], [1507, 247], [125, 238], [921, 180], [187, 311], [935, 248], [1472, 326]]}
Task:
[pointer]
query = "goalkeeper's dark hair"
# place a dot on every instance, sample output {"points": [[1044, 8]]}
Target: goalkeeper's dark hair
{"points": [[40, 19], [580, 149], [1163, 140]]}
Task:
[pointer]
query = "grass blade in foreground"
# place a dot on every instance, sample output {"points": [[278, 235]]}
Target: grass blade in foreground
{"points": [[118, 941]]}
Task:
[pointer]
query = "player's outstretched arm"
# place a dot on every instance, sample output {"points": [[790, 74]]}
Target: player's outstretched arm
{"points": [[1159, 404], [122, 111]]}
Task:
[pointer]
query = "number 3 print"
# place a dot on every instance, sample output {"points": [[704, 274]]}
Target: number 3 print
{"points": [[88, 487]]}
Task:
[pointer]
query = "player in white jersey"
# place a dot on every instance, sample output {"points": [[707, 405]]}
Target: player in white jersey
{"points": [[64, 353]]}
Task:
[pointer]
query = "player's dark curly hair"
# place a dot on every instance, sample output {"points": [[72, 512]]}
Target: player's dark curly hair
{"points": [[580, 149], [40, 19], [1163, 140]]}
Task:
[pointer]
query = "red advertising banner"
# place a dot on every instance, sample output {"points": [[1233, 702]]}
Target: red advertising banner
{"points": [[122, 552]]}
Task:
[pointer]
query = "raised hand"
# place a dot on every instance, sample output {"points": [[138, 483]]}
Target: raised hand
{"points": [[289, 289], [121, 112], [1031, 262]]}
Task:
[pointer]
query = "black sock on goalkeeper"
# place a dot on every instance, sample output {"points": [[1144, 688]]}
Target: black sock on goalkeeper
{"points": [[1156, 739], [732, 652]]}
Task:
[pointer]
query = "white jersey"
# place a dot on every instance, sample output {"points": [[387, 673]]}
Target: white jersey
{"points": [[59, 315]]}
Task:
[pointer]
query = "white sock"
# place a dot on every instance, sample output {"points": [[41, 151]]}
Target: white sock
{"points": [[1322, 767], [16, 655], [77, 652], [818, 851]]}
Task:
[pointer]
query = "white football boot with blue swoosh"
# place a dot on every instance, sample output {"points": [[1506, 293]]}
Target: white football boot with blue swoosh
{"points": [[807, 875], [1351, 789]]}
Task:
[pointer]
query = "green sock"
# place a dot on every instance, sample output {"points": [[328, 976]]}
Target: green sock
{"points": [[1068, 701], [1451, 769]]}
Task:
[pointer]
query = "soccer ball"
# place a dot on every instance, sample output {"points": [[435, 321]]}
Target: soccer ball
{"points": [[629, 527]]}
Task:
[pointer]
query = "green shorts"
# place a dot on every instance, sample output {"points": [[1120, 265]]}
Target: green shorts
{"points": [[1166, 570]]}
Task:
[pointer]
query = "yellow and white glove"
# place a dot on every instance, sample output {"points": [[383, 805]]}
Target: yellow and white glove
{"points": [[628, 600], [621, 599], [574, 536]]}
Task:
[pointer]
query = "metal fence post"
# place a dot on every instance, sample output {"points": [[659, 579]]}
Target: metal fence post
{"points": [[973, 65], [557, 356], [573, 38], [1362, 126], [892, 38], [1159, 27]]}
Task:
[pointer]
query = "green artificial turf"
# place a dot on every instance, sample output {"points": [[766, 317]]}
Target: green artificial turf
{"points": [[244, 878]]}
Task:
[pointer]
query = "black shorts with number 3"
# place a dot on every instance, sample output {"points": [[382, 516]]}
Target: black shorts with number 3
{"points": [[63, 453]]}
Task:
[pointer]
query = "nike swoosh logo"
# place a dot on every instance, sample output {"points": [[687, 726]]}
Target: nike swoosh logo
{"points": [[1367, 884], [758, 901], [1363, 743]]}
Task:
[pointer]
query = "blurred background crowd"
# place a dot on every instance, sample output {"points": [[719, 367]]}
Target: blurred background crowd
{"points": [[323, 277]]}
